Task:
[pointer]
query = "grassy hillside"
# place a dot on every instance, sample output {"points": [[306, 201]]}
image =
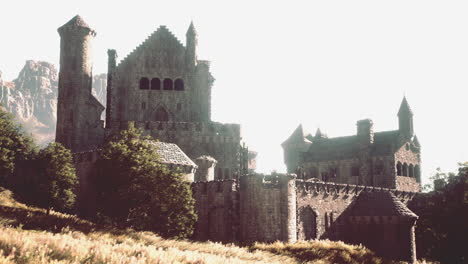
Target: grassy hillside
{"points": [[28, 235]]}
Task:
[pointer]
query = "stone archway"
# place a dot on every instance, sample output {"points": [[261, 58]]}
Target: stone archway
{"points": [[307, 224]]}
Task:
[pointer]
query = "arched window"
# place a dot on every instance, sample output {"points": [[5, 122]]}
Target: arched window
{"points": [[411, 171], [405, 169], [167, 84], [179, 85], [144, 83], [161, 115], [399, 169], [155, 84]]}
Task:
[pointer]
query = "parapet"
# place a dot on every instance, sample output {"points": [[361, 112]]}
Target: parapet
{"points": [[346, 189], [266, 181], [213, 129], [223, 186]]}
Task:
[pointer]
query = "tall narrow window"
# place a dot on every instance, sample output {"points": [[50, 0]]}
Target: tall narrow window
{"points": [[411, 171], [144, 83], [143, 105], [179, 85], [167, 84], [405, 169], [399, 169], [155, 84]]}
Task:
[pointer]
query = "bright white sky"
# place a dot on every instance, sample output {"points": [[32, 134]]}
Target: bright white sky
{"points": [[324, 64]]}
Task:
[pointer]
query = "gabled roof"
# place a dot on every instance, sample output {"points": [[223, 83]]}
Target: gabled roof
{"points": [[161, 33], [348, 146], [404, 108], [380, 203], [297, 136], [170, 153]]}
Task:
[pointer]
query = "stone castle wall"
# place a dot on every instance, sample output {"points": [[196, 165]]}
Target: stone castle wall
{"points": [[217, 207], [220, 141]]}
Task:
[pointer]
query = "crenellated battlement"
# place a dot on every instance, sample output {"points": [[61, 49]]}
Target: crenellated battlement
{"points": [[309, 187], [222, 186], [194, 128], [266, 181]]}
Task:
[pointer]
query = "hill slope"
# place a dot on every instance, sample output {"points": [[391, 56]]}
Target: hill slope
{"points": [[30, 236]]}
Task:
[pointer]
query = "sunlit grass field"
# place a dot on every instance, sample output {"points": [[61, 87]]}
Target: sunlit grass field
{"points": [[28, 235]]}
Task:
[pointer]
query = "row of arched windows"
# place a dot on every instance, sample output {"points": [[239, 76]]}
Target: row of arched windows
{"points": [[403, 169], [166, 84]]}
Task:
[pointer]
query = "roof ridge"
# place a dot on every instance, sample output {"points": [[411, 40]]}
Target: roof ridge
{"points": [[148, 39]]}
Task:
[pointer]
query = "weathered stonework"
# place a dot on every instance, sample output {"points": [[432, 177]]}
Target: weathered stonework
{"points": [[344, 186]]}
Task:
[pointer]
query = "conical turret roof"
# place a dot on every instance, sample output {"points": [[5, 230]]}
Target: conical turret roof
{"points": [[416, 141], [405, 108], [191, 30], [297, 136]]}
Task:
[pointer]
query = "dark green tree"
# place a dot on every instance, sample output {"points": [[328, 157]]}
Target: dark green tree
{"points": [[442, 226], [136, 190], [15, 145], [57, 180]]}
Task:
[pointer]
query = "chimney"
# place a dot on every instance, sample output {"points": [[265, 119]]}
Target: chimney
{"points": [[365, 131]]}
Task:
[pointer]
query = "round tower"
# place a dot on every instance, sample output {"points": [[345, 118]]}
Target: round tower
{"points": [[75, 82], [206, 168]]}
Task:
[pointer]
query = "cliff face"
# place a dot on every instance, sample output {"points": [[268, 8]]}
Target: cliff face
{"points": [[32, 98]]}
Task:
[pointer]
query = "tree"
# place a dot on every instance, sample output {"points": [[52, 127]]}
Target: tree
{"points": [[15, 145], [441, 228], [57, 180], [136, 190]]}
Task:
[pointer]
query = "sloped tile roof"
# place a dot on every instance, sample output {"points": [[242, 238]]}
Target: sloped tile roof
{"points": [[380, 203], [170, 153]]}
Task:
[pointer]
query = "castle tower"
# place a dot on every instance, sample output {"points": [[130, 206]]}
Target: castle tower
{"points": [[405, 119], [206, 166], [78, 112], [111, 66], [191, 47]]}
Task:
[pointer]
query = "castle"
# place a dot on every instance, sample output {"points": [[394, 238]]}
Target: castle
{"points": [[353, 188]]}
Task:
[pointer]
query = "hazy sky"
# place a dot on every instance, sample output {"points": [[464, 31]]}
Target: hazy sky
{"points": [[324, 64]]}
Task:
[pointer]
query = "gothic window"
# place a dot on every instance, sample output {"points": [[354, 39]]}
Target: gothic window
{"points": [[307, 226], [399, 169], [167, 84], [144, 83], [326, 221], [155, 84], [355, 171], [411, 171], [179, 85], [161, 115], [405, 169]]}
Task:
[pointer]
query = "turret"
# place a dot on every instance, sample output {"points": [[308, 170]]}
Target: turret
{"points": [[191, 47], [75, 81], [206, 166], [111, 66], [405, 119], [293, 147]]}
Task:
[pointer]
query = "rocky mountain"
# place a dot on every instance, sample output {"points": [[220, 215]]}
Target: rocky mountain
{"points": [[32, 97]]}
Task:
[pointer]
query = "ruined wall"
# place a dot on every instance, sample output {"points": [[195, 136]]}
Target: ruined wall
{"points": [[217, 207]]}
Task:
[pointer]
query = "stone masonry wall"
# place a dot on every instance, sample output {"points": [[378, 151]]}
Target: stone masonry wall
{"points": [[217, 207]]}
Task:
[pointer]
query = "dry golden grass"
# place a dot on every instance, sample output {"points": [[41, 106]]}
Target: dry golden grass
{"points": [[28, 235]]}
